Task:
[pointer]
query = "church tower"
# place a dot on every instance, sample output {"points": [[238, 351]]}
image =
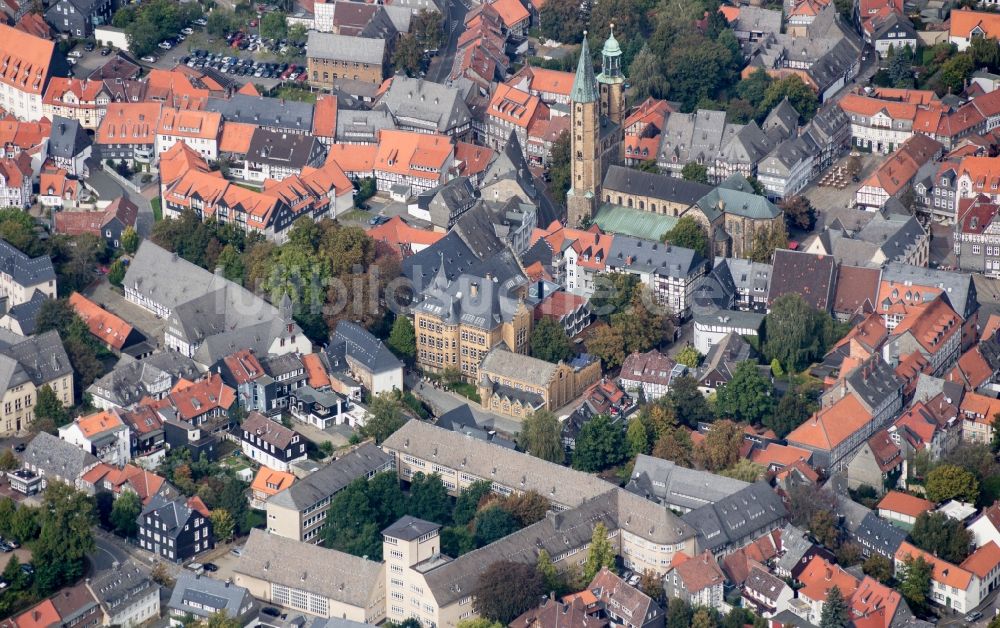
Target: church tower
{"points": [[585, 161], [611, 81]]}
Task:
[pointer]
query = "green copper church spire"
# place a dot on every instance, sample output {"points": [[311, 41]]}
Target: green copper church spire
{"points": [[611, 60], [584, 85]]}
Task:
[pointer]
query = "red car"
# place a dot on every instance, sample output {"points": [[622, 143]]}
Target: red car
{"points": [[302, 77], [287, 72]]}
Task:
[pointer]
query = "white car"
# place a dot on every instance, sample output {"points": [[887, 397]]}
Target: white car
{"points": [[201, 21], [198, 568], [165, 45], [76, 54], [71, 60], [149, 59], [188, 31]]}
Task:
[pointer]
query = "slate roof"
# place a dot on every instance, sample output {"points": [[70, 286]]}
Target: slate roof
{"points": [[270, 432], [410, 528], [26, 314], [501, 363], [272, 112], [24, 270], [325, 572], [195, 594], [958, 286], [54, 456], [173, 513], [630, 254], [361, 462], [345, 48], [117, 589], [659, 186], [67, 139], [425, 103], [354, 341], [735, 516], [41, 358], [287, 150], [153, 272], [879, 534], [810, 276], [678, 487]]}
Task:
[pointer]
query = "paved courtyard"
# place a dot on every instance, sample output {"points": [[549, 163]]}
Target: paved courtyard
{"points": [[831, 197], [145, 321]]}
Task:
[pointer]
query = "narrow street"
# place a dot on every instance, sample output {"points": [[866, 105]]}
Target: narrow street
{"points": [[442, 64]]}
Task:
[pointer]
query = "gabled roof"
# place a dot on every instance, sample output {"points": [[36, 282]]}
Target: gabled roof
{"points": [[360, 462], [808, 275], [23, 270], [965, 23], [25, 60], [942, 571], [107, 327], [832, 425], [270, 432], [905, 504], [359, 344], [820, 576]]}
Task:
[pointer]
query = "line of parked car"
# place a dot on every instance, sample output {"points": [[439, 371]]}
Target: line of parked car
{"points": [[255, 43], [244, 67], [8, 545]]}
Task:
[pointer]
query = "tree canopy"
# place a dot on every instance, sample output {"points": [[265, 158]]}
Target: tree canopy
{"points": [[948, 481], [748, 397], [942, 536], [549, 341], [688, 233], [599, 445], [507, 589], [541, 436], [795, 334]]}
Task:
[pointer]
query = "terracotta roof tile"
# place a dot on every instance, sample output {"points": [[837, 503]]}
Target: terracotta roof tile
{"points": [[905, 504], [941, 571], [108, 328]]}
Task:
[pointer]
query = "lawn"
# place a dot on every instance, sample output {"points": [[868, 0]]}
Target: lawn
{"points": [[157, 209], [295, 93], [466, 390]]}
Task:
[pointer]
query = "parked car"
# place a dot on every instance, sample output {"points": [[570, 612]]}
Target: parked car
{"points": [[270, 611], [12, 543], [196, 567], [210, 567], [89, 46], [28, 569], [105, 52], [76, 54], [188, 31], [201, 21], [973, 616], [71, 60], [20, 447], [236, 551], [149, 59], [166, 45], [378, 220]]}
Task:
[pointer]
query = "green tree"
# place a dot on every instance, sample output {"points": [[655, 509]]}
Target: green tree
{"points": [[358, 514], [274, 25], [65, 538], [688, 404], [721, 447], [637, 436], [915, 583], [679, 613], [541, 436], [493, 524], [696, 172], [613, 293], [223, 524], [19, 229], [792, 410], [689, 233], [7, 510], [559, 168], [527, 508], [457, 540], [835, 613], [675, 445], [744, 470], [48, 407], [799, 213], [799, 95], [600, 554], [221, 619], [549, 341], [25, 523], [14, 576], [8, 461], [429, 498], [599, 445], [748, 397], [607, 343], [231, 263], [507, 589], [403, 338], [878, 566], [478, 622], [130, 240], [954, 73], [951, 482], [689, 357], [408, 55], [942, 536], [116, 273], [385, 416], [697, 67], [703, 618], [900, 67], [647, 76], [796, 334], [428, 28], [766, 240], [753, 88], [124, 513], [467, 503], [562, 21], [642, 328], [823, 526], [550, 575]]}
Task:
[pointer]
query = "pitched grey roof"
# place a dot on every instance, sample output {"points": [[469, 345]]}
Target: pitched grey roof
{"points": [[325, 572], [364, 461], [201, 596], [735, 319], [356, 342], [501, 363], [173, 513], [260, 111], [660, 186], [736, 516], [697, 136], [131, 380], [287, 150], [362, 125], [810, 276], [677, 487], [42, 357], [879, 535], [782, 122], [422, 103], [794, 544], [345, 48], [448, 201], [270, 432], [117, 589], [153, 273], [24, 270], [410, 528], [67, 139], [26, 313], [630, 254], [55, 457]]}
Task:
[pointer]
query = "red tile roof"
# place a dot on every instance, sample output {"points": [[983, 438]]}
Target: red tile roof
{"points": [[832, 425], [820, 576], [984, 560], [108, 328], [941, 571], [905, 504], [24, 60]]}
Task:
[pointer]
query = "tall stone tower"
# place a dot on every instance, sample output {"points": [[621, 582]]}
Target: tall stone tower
{"points": [[611, 81], [585, 161]]}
